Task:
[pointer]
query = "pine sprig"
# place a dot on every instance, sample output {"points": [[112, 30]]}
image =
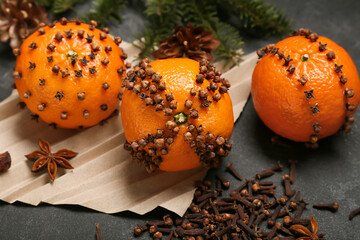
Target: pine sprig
{"points": [[165, 15], [257, 17], [207, 16], [60, 6], [104, 10], [230, 49], [44, 3], [101, 11], [254, 17]]}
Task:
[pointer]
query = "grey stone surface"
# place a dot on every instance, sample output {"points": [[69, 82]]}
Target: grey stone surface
{"points": [[327, 174]]}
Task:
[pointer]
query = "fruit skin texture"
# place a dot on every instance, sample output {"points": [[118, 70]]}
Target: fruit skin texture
{"points": [[279, 98], [179, 76], [90, 83]]}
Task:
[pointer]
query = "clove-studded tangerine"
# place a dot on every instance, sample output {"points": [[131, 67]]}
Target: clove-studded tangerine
{"points": [[70, 73], [171, 120], [309, 95]]}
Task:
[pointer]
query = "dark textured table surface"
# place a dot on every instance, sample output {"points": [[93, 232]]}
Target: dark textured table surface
{"points": [[331, 173]]}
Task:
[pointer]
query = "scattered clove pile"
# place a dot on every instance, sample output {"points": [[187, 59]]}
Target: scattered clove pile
{"points": [[253, 210]]}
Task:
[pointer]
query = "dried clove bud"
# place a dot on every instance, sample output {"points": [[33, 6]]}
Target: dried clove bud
{"points": [[338, 68], [203, 94], [173, 104], [288, 191], [5, 161], [315, 108], [230, 168], [350, 107], [117, 40], [58, 36], [322, 47], [350, 119], [260, 52], [139, 229], [291, 69], [354, 213], [316, 127], [216, 97], [103, 36], [108, 49], [281, 54], [309, 94], [16, 75], [170, 125], [199, 78], [193, 92], [313, 37], [32, 45], [89, 38], [63, 21], [303, 80], [330, 55], [41, 107], [287, 61], [56, 69], [349, 93], [224, 182], [194, 113], [333, 207], [292, 170], [16, 52], [81, 33]]}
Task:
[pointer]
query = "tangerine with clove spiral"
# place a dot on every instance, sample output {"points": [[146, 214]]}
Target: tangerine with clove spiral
{"points": [[305, 87], [177, 114], [69, 74]]}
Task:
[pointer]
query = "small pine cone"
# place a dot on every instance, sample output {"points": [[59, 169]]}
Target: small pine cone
{"points": [[20, 18], [193, 42]]}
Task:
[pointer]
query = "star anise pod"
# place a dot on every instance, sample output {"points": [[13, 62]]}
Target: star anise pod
{"points": [[45, 157], [305, 233], [193, 42], [20, 18]]}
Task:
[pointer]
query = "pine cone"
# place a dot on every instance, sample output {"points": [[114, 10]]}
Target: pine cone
{"points": [[193, 42], [20, 18]]}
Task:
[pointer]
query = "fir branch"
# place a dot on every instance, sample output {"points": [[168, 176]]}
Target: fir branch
{"points": [[230, 49], [60, 6], [258, 17], [205, 13], [165, 15], [43, 3], [104, 10]]}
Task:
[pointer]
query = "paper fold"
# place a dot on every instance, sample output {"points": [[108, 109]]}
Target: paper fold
{"points": [[104, 177]]}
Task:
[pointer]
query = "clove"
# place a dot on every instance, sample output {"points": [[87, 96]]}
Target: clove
{"points": [[98, 232], [354, 213], [333, 207], [288, 191], [5, 161], [292, 170], [225, 183]]}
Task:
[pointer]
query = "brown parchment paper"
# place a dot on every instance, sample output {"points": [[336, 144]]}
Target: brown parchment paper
{"points": [[104, 177]]}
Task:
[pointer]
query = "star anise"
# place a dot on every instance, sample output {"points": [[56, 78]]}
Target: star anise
{"points": [[193, 42], [45, 157], [305, 233]]}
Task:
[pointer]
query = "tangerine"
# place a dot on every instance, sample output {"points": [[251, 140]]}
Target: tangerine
{"points": [[69, 74], [305, 87], [177, 114]]}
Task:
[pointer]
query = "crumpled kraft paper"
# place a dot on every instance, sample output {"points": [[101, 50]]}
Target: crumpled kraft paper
{"points": [[104, 177]]}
